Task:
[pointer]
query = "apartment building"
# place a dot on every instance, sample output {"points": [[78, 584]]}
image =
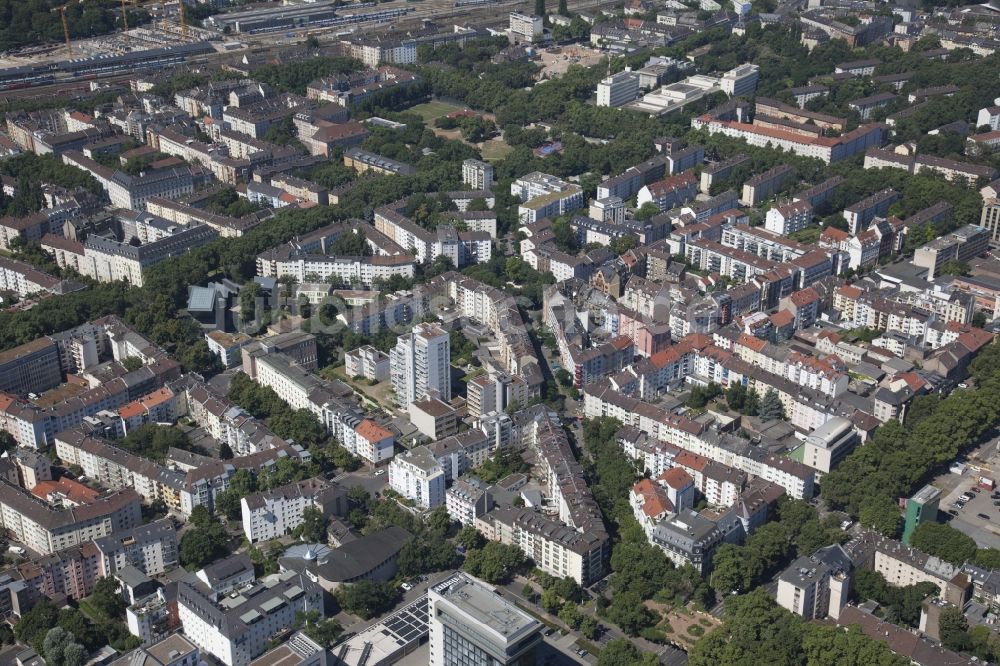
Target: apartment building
{"points": [[718, 172], [150, 548], [370, 441], [688, 538], [363, 161], [227, 422], [816, 586], [494, 392], [45, 529], [526, 27], [462, 247], [497, 311], [109, 260], [544, 196], [237, 630], [555, 548], [272, 514], [468, 499], [33, 367], [827, 149], [420, 363], [960, 245], [860, 215], [367, 362], [788, 218], [416, 475], [866, 106], [24, 279], [669, 192], [478, 175], [764, 185]]}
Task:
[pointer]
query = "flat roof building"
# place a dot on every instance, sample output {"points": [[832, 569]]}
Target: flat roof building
{"points": [[470, 623]]}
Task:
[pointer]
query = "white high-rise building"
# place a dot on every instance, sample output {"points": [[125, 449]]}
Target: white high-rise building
{"points": [[618, 89], [471, 625], [526, 27], [477, 174], [418, 476], [421, 362]]}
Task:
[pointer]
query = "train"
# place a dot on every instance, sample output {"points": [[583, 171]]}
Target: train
{"points": [[105, 65]]}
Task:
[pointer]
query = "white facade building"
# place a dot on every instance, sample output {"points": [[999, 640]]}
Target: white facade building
{"points": [[421, 362], [417, 475]]}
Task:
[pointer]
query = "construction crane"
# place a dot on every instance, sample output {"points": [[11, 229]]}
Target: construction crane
{"points": [[124, 16], [184, 28], [69, 47]]}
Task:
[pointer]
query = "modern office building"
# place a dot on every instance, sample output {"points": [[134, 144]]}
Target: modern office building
{"points": [[618, 89], [920, 508], [740, 80], [421, 362], [825, 446], [471, 625], [477, 174]]}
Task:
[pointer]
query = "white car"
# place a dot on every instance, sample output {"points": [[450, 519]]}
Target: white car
{"points": [[406, 587], [380, 472]]}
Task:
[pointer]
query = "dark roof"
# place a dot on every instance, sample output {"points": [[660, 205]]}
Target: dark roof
{"points": [[356, 559]]}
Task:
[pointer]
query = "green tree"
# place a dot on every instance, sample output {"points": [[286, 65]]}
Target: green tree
{"points": [[834, 646], [953, 628], [469, 538], [367, 598], [107, 599], [539, 7], [646, 211], [629, 613], [881, 514], [621, 652], [313, 526], [944, 541], [732, 569], [756, 631], [495, 562], [34, 624], [771, 407]]}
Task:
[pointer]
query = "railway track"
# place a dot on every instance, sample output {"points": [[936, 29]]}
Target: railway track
{"points": [[484, 16]]}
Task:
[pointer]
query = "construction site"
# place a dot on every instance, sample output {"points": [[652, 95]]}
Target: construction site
{"points": [[167, 28]]}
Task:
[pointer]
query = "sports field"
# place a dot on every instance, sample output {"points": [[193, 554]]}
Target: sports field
{"points": [[435, 109]]}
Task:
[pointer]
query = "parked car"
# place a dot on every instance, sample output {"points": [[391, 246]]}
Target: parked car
{"points": [[406, 587], [983, 516]]}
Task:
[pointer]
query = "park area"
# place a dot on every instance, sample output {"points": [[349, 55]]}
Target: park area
{"points": [[681, 626], [492, 150]]}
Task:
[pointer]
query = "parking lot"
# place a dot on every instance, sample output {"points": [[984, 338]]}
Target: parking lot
{"points": [[978, 514]]}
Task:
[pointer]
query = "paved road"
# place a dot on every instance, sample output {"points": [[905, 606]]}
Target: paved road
{"points": [[365, 478]]}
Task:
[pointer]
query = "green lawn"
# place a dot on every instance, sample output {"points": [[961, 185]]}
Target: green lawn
{"points": [[434, 109], [495, 149]]}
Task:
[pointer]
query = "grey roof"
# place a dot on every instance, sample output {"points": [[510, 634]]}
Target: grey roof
{"points": [[355, 559], [227, 568]]}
